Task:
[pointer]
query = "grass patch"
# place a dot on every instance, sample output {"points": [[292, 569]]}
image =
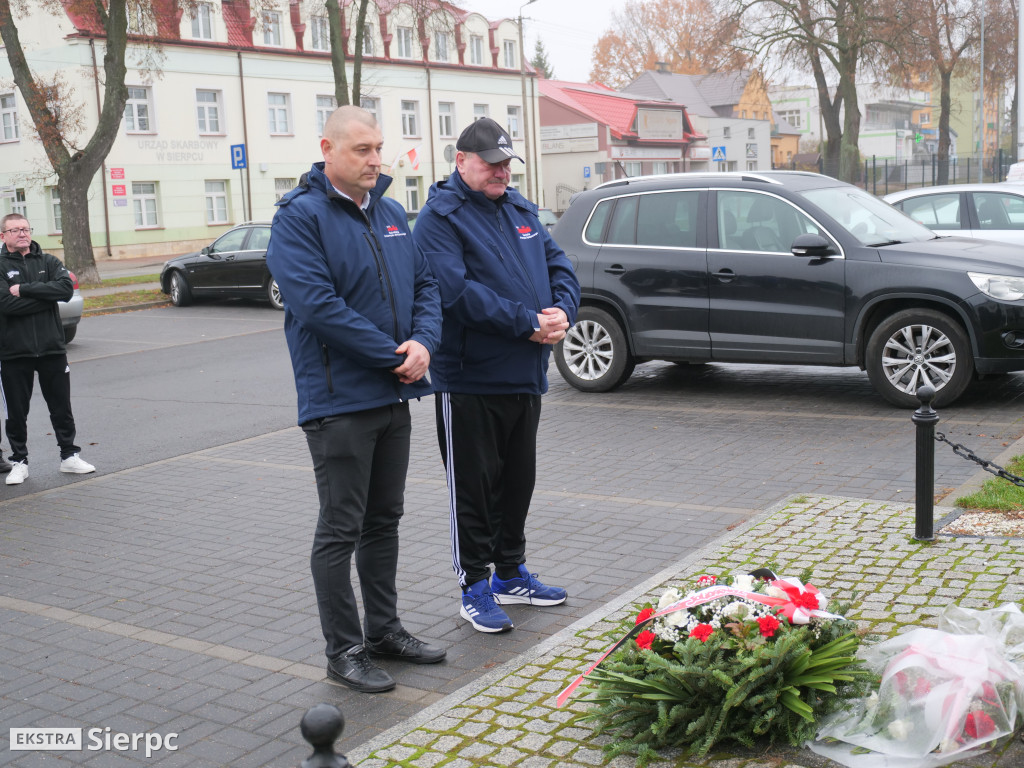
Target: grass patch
{"points": [[997, 493], [123, 298], [130, 280]]}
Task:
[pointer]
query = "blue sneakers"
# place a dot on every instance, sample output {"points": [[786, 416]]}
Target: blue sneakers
{"points": [[525, 588], [480, 610]]}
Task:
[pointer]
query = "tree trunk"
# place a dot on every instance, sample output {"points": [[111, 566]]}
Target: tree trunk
{"points": [[337, 53], [849, 155], [357, 57], [944, 109], [77, 237], [830, 108]]}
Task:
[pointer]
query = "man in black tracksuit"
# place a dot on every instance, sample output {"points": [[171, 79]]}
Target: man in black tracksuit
{"points": [[32, 342]]}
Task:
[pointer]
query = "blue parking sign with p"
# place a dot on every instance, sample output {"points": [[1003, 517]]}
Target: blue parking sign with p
{"points": [[238, 155]]}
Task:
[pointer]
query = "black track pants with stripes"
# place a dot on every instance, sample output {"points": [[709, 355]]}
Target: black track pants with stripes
{"points": [[489, 448]]}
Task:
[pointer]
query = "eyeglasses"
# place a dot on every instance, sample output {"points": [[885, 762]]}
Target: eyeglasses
{"points": [[19, 231]]}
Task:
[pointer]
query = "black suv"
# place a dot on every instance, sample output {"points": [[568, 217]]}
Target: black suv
{"points": [[783, 267]]}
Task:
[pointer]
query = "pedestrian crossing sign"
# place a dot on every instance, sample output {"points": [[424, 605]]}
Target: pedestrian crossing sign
{"points": [[718, 154]]}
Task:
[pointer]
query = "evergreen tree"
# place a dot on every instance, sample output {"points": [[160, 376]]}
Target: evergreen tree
{"points": [[540, 61]]}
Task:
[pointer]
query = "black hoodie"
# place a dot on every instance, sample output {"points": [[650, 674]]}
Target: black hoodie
{"points": [[30, 324]]}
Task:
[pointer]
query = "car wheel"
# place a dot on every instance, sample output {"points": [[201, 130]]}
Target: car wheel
{"points": [[916, 347], [181, 294], [594, 356], [274, 294], [70, 331]]}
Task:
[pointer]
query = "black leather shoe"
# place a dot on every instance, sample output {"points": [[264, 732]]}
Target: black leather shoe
{"points": [[5, 466], [403, 646], [355, 669]]}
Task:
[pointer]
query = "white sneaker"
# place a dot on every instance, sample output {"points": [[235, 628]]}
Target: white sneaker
{"points": [[72, 464], [18, 473]]}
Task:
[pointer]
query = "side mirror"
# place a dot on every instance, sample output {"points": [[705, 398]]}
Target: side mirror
{"points": [[813, 246]]}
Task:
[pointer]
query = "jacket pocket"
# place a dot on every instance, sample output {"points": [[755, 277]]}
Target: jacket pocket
{"points": [[326, 358]]}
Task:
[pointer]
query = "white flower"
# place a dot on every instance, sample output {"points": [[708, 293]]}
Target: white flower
{"points": [[743, 581], [671, 596], [899, 729], [677, 618], [737, 610], [776, 592]]}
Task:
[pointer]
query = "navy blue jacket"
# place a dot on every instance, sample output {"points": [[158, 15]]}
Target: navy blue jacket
{"points": [[497, 268], [355, 287]]}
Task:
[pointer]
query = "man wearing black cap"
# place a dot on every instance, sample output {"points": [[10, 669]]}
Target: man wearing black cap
{"points": [[508, 293]]}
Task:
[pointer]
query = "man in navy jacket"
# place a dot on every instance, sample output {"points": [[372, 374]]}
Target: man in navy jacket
{"points": [[362, 318], [508, 293]]}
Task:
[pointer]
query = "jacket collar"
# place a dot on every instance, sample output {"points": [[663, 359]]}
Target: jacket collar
{"points": [[317, 179], [33, 250], [445, 196]]}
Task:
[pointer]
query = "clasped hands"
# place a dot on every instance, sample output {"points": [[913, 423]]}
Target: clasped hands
{"points": [[553, 325]]}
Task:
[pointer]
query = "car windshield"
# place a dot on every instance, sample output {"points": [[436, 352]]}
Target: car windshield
{"points": [[547, 216], [872, 221]]}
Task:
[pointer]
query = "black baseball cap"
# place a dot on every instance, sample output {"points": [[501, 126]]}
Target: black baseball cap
{"points": [[487, 139]]}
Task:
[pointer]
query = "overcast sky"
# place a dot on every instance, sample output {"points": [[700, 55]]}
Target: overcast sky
{"points": [[568, 28]]}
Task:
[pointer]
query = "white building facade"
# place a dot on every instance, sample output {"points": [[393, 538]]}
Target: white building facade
{"points": [[237, 90]]}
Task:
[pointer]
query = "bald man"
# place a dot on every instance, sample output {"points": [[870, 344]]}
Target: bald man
{"points": [[362, 318]]}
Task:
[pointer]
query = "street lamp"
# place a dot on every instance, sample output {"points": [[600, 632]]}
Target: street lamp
{"points": [[526, 118]]}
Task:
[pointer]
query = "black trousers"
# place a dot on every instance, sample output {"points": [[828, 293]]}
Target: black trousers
{"points": [[17, 377], [360, 461], [489, 448]]}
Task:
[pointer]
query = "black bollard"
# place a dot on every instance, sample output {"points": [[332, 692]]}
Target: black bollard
{"points": [[925, 418], [321, 726]]}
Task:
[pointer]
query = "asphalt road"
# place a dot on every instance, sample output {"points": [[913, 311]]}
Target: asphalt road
{"points": [[154, 384]]}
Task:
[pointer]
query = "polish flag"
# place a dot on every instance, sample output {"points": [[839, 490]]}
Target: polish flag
{"points": [[414, 158]]}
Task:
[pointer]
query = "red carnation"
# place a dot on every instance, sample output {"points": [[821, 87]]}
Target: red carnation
{"points": [[702, 632], [979, 725], [768, 625], [807, 600], [706, 580], [644, 615], [644, 639]]}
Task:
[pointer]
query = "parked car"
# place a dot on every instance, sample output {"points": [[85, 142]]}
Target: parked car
{"points": [[235, 264], [986, 211], [547, 217], [783, 267], [71, 311]]}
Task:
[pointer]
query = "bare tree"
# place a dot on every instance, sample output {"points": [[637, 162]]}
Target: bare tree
{"points": [[833, 38]]}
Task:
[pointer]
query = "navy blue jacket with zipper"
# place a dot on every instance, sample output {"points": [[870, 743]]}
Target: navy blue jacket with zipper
{"points": [[497, 267], [355, 287], [30, 324]]}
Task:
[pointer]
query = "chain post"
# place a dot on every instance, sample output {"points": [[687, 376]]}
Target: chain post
{"points": [[321, 726], [925, 418]]}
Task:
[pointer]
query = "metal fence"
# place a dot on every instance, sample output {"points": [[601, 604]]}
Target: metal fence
{"points": [[882, 175]]}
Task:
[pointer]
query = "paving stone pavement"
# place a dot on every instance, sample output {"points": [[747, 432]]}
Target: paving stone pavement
{"points": [[175, 597]]}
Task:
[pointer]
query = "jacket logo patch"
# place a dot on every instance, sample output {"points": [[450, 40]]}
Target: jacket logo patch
{"points": [[525, 232], [392, 231], [13, 273]]}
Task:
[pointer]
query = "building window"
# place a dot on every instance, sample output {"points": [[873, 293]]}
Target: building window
{"points": [[404, 42], [18, 204], [795, 117], [136, 110], [282, 187], [659, 167], [278, 107], [410, 118], [272, 28], [216, 202], [727, 132], [926, 118], [372, 106], [441, 46], [321, 33], [511, 60], [202, 22], [144, 203], [517, 181], [480, 110], [139, 22], [476, 50], [412, 193], [513, 122], [9, 116], [750, 133], [208, 111], [446, 119], [634, 168], [324, 106], [58, 224], [368, 47]]}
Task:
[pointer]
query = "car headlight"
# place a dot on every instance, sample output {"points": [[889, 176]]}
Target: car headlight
{"points": [[999, 286]]}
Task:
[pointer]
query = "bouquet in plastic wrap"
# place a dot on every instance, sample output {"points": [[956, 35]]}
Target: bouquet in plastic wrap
{"points": [[944, 694]]}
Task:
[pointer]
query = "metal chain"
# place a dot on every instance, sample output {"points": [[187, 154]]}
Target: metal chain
{"points": [[989, 466]]}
